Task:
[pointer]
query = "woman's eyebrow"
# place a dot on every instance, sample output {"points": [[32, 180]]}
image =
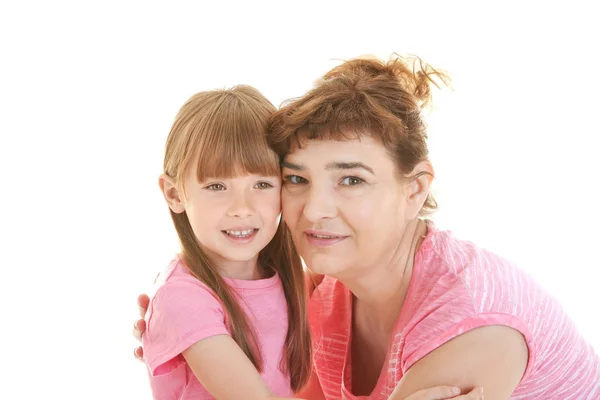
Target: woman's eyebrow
{"points": [[286, 164], [349, 165]]}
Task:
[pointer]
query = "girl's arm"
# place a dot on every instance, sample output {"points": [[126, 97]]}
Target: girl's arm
{"points": [[225, 371], [491, 357]]}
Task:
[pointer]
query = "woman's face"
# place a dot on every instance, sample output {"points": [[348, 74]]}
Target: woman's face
{"points": [[345, 204]]}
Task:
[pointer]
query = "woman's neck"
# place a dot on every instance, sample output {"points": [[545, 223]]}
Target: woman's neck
{"points": [[380, 292]]}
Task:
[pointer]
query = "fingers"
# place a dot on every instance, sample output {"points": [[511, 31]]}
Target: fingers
{"points": [[139, 327], [446, 392], [138, 353], [435, 393], [143, 300], [475, 394]]}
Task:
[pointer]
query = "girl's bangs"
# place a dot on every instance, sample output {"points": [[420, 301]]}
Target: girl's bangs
{"points": [[233, 145]]}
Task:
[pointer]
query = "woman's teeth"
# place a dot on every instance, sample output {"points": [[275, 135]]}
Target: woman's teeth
{"points": [[324, 237]]}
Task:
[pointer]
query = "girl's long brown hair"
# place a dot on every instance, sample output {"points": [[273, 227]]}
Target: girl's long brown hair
{"points": [[224, 133]]}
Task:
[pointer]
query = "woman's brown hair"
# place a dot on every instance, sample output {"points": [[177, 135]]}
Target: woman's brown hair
{"points": [[365, 96], [223, 132]]}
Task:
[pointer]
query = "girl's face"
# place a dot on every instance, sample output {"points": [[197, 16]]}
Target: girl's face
{"points": [[346, 204], [233, 219]]}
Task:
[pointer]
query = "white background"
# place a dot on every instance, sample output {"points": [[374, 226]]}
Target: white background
{"points": [[88, 91]]}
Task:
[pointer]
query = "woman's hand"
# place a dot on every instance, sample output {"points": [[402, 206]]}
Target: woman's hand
{"points": [[139, 327], [446, 392]]}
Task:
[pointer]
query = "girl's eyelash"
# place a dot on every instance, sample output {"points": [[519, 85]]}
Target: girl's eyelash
{"points": [[213, 187], [269, 185], [219, 186]]}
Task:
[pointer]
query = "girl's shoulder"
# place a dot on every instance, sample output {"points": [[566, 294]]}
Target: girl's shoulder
{"points": [[177, 273], [176, 287]]}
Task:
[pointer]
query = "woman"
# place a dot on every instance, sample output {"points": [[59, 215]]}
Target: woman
{"points": [[403, 305]]}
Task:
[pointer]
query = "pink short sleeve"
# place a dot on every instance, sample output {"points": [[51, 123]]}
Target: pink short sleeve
{"points": [[180, 314], [422, 340]]}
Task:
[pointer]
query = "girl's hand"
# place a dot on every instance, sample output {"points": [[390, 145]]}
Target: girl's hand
{"points": [[446, 392], [139, 326]]}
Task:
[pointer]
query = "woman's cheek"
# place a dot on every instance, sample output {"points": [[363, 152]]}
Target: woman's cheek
{"points": [[364, 209]]}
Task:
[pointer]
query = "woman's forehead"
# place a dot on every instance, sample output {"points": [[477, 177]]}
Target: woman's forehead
{"points": [[365, 146], [318, 154]]}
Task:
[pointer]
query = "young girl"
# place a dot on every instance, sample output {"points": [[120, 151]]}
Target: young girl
{"points": [[228, 319]]}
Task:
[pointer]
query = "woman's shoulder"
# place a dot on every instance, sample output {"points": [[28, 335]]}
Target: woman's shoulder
{"points": [[455, 280], [458, 286], [445, 256]]}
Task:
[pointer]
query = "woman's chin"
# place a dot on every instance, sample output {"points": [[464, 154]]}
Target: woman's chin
{"points": [[324, 266], [331, 261]]}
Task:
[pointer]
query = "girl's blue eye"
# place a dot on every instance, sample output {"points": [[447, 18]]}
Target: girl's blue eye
{"points": [[263, 185], [294, 179], [351, 181], [216, 187]]}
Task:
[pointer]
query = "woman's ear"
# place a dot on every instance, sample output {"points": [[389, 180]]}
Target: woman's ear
{"points": [[418, 186], [172, 194]]}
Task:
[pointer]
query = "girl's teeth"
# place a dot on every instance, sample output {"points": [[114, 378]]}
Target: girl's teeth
{"points": [[240, 233], [323, 237]]}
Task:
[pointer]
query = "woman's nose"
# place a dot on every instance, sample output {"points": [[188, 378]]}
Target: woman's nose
{"points": [[320, 204]]}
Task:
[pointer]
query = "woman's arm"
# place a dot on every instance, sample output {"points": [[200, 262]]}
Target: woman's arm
{"points": [[491, 357], [313, 391], [225, 371]]}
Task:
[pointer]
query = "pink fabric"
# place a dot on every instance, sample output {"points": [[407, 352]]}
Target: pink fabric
{"points": [[457, 287], [184, 311]]}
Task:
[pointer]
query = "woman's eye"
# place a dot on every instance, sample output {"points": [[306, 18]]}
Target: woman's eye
{"points": [[294, 179], [351, 181], [263, 185], [216, 187]]}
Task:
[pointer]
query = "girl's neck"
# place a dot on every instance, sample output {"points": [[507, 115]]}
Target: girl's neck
{"points": [[245, 271]]}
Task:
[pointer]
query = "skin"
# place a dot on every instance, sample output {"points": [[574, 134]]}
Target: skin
{"points": [[354, 217], [215, 208], [441, 392], [218, 205], [352, 192]]}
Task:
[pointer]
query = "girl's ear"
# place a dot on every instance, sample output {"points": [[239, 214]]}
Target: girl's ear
{"points": [[172, 194]]}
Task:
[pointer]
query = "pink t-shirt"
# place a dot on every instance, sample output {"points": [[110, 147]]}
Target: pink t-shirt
{"points": [[456, 287], [184, 311]]}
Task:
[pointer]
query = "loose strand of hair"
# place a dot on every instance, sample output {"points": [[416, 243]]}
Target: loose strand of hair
{"points": [[201, 267]]}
